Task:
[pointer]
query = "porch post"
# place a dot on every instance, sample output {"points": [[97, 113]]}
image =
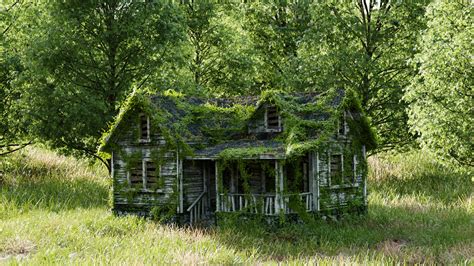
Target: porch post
{"points": [[217, 187], [181, 190], [316, 175], [312, 178], [364, 155], [279, 185]]}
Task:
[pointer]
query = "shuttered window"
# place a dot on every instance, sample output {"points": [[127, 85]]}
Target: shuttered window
{"points": [[144, 128], [135, 176], [273, 118], [336, 168], [145, 175], [151, 175]]}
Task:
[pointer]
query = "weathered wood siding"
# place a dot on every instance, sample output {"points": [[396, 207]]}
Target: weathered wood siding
{"points": [[332, 195], [257, 122], [140, 200], [193, 181]]}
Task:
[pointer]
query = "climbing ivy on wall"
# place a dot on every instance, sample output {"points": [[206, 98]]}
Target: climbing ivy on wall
{"points": [[308, 125]]}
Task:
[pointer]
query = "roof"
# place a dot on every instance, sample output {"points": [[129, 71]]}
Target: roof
{"points": [[263, 149], [209, 127]]}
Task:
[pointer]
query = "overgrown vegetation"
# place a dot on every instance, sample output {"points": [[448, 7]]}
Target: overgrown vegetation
{"points": [[54, 210]]}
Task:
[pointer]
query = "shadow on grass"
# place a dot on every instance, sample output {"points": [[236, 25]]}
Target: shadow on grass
{"points": [[416, 174], [55, 195], [445, 188], [30, 185], [427, 219], [413, 235]]}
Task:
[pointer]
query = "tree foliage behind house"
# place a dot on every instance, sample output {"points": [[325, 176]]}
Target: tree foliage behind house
{"points": [[441, 96], [67, 66]]}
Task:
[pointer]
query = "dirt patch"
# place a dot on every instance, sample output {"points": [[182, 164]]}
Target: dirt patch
{"points": [[16, 247], [392, 247]]}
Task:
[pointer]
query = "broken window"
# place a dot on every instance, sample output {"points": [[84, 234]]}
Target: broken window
{"points": [[144, 128], [342, 169], [135, 176], [273, 118], [151, 175], [342, 126], [144, 175], [336, 168]]}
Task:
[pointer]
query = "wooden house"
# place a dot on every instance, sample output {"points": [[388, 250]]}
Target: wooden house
{"points": [[189, 158]]}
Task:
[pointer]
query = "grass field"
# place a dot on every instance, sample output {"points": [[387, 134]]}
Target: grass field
{"points": [[55, 210]]}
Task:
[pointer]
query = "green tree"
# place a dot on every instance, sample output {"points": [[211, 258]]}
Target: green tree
{"points": [[366, 45], [83, 58], [12, 131], [220, 57], [276, 29], [441, 97]]}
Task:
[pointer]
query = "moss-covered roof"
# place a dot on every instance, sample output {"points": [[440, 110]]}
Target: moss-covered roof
{"points": [[218, 127], [252, 148]]}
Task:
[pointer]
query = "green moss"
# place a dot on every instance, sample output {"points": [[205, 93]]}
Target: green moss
{"points": [[241, 153], [307, 126]]}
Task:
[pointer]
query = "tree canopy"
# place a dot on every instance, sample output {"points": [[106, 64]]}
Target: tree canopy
{"points": [[441, 96], [67, 67]]}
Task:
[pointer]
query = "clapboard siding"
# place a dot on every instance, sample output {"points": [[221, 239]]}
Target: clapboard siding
{"points": [[328, 194], [193, 184], [333, 195], [127, 198]]}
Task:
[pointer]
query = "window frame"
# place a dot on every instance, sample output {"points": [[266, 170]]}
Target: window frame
{"points": [[342, 124], [267, 127], [148, 133], [129, 177], [144, 177], [330, 155], [345, 180]]}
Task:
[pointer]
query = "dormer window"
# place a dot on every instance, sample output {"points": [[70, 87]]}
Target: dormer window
{"points": [[342, 126], [272, 119], [144, 128]]}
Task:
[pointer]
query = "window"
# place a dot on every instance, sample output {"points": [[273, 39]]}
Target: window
{"points": [[145, 175], [144, 128], [135, 176], [272, 119], [341, 127], [151, 175], [335, 168], [342, 171]]}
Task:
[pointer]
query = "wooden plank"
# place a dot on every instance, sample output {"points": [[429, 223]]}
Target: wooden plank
{"points": [[112, 163], [365, 176], [279, 185], [217, 187], [318, 192], [180, 182]]}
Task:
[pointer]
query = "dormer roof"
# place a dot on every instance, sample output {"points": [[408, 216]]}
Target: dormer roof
{"points": [[209, 125]]}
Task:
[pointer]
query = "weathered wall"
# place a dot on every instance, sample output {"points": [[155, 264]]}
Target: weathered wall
{"points": [[193, 184], [257, 122], [337, 195], [129, 151]]}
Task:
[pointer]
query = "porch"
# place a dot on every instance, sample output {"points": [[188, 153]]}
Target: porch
{"points": [[266, 204], [268, 187]]}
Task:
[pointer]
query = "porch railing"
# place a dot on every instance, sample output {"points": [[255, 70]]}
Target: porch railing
{"points": [[267, 204], [304, 200], [197, 210]]}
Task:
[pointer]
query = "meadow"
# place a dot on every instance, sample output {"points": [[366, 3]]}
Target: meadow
{"points": [[55, 210]]}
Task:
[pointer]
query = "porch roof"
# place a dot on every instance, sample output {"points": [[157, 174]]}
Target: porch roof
{"points": [[243, 149]]}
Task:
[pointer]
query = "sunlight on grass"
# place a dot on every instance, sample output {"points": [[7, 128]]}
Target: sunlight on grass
{"points": [[54, 210]]}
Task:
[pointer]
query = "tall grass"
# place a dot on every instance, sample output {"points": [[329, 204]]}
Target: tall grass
{"points": [[54, 210]]}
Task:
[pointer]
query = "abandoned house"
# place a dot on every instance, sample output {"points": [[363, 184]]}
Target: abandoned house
{"points": [[188, 159]]}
